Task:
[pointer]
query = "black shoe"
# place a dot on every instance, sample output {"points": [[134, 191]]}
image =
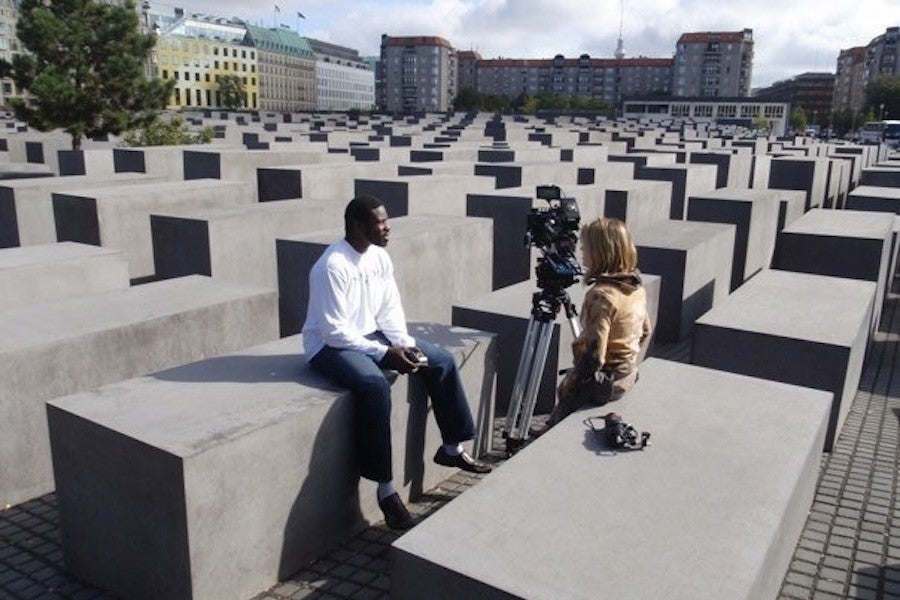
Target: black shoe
{"points": [[395, 514], [460, 461], [537, 431]]}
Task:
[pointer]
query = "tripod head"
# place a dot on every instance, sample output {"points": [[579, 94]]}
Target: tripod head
{"points": [[553, 231]]}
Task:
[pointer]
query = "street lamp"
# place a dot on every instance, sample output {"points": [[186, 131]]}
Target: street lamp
{"points": [[881, 112]]}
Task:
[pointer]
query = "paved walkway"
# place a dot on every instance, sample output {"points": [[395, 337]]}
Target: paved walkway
{"points": [[850, 547]]}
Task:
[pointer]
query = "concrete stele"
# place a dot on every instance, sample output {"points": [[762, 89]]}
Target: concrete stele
{"points": [[699, 514]]}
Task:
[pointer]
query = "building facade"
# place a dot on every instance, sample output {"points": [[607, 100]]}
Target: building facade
{"points": [[9, 46], [197, 52], [344, 80], [850, 81], [862, 65], [744, 112], [467, 62], [813, 92], [710, 64], [419, 74], [608, 80], [287, 69]]}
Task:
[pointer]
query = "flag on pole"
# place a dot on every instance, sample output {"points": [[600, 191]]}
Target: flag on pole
{"points": [[300, 14]]}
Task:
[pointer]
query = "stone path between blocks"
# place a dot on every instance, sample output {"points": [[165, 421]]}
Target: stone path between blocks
{"points": [[849, 548]]}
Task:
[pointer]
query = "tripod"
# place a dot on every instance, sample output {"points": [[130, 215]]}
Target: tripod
{"points": [[545, 305]]}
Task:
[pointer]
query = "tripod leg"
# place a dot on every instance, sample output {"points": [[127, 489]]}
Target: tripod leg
{"points": [[515, 400], [534, 383], [527, 384]]}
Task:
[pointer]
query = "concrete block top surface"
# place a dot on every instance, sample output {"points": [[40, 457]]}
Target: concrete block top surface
{"points": [[262, 210], [75, 181], [692, 516], [401, 228], [738, 195], [815, 308], [678, 235], [128, 191], [844, 223], [872, 191], [42, 324], [18, 257], [202, 405]]}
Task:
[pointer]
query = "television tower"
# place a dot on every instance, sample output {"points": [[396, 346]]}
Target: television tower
{"points": [[620, 47]]}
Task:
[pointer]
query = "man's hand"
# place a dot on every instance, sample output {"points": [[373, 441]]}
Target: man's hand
{"points": [[400, 359]]}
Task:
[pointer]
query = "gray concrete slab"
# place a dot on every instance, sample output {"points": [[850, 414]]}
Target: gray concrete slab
{"points": [[506, 312], [217, 479], [868, 197], [791, 206], [845, 243], [801, 173], [637, 203], [687, 180], [27, 208], [438, 261], [238, 164], [118, 216], [317, 181], [37, 274], [694, 261], [733, 166], [809, 330], [235, 244], [416, 195], [754, 213], [79, 343], [680, 520], [881, 176]]}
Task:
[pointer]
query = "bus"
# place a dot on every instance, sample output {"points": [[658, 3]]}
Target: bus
{"points": [[887, 132]]}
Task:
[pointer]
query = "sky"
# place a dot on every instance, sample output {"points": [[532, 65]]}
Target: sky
{"points": [[791, 36]]}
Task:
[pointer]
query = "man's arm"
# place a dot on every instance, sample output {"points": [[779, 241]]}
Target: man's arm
{"points": [[391, 318]]}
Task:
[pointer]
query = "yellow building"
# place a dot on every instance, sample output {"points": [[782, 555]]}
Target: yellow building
{"points": [[196, 54]]}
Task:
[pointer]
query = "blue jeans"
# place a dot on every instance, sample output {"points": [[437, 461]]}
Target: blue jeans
{"points": [[372, 396]]}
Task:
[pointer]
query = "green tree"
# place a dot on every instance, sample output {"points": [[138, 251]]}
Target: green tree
{"points": [[797, 120], [231, 88], [884, 93], [160, 132], [85, 68], [467, 99]]}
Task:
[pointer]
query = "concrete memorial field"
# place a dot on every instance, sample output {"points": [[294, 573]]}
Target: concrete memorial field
{"points": [[153, 376]]}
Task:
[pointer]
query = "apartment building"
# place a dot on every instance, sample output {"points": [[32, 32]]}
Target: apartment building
{"points": [[850, 80], [287, 69], [608, 80], [419, 74], [713, 64], [467, 62], [9, 46], [813, 92], [859, 66], [196, 52], [344, 80]]}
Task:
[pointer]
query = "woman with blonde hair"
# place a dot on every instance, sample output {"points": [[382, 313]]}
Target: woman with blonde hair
{"points": [[614, 321]]}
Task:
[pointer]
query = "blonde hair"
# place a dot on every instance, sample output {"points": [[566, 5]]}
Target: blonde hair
{"points": [[608, 246]]}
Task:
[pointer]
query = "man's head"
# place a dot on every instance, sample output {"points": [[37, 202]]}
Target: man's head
{"points": [[366, 222]]}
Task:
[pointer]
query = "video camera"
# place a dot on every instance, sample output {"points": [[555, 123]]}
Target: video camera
{"points": [[554, 232]]}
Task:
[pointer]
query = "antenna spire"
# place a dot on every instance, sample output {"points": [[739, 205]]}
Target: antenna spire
{"points": [[620, 47]]}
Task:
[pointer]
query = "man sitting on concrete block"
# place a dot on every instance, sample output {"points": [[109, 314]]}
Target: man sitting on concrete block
{"points": [[355, 327]]}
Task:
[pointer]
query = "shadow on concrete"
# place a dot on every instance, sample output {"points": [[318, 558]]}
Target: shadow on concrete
{"points": [[873, 582], [326, 512], [249, 368]]}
